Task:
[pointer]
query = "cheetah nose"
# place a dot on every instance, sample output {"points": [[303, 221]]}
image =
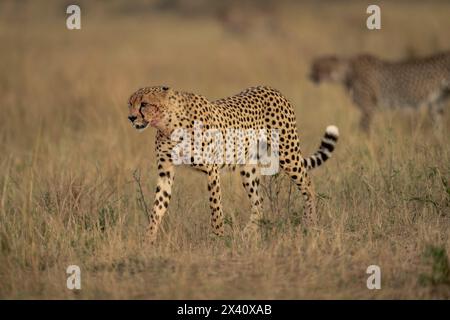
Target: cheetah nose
{"points": [[132, 118]]}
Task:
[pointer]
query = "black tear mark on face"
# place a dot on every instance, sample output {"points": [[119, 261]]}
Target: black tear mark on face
{"points": [[140, 112]]}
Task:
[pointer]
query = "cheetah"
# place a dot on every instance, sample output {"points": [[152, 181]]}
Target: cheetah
{"points": [[255, 108], [374, 83]]}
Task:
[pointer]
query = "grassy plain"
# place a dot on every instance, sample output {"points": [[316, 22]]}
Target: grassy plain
{"points": [[68, 154]]}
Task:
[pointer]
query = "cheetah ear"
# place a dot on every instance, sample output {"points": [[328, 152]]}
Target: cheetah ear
{"points": [[168, 92]]}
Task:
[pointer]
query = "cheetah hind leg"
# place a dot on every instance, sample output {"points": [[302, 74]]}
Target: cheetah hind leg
{"points": [[303, 182], [251, 179]]}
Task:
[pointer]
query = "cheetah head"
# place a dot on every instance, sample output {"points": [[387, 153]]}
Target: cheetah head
{"points": [[328, 69], [151, 106]]}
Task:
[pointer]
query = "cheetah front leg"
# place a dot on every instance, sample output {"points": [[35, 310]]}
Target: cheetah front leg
{"points": [[365, 121], [215, 200], [436, 111], [366, 102], [164, 183]]}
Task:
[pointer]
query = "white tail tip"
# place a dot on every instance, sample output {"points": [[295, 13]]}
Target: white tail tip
{"points": [[333, 130]]}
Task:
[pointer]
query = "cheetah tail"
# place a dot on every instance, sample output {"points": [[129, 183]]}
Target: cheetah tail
{"points": [[327, 146]]}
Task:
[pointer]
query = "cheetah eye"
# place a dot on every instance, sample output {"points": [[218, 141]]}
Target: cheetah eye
{"points": [[144, 104]]}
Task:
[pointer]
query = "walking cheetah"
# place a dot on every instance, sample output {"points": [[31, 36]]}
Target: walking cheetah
{"points": [[256, 108], [374, 83]]}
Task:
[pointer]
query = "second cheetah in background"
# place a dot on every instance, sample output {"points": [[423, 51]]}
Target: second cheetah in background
{"points": [[375, 83]]}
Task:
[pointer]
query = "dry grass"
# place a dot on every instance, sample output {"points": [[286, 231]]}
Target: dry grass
{"points": [[67, 193]]}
